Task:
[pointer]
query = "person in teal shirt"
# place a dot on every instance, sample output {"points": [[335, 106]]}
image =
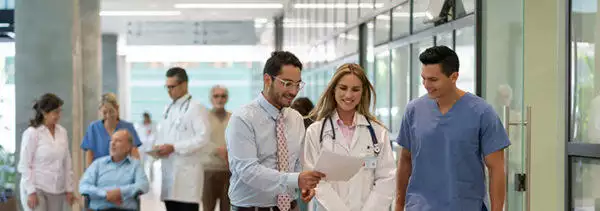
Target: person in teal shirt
{"points": [[448, 137]]}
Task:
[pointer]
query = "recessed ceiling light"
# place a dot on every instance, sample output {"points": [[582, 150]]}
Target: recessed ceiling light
{"points": [[308, 25], [337, 6], [229, 6], [140, 13], [261, 20]]}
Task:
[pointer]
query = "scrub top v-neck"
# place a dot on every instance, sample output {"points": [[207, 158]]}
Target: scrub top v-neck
{"points": [[448, 152], [97, 138]]}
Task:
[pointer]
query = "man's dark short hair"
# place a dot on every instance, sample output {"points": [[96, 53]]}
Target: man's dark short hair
{"points": [[178, 73], [442, 55], [146, 115], [279, 59]]}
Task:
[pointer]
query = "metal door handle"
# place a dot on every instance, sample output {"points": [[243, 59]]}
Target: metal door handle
{"points": [[527, 159], [527, 174], [506, 121]]}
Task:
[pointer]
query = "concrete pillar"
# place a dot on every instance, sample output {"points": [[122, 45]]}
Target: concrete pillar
{"points": [[91, 55], [123, 88], [110, 82], [48, 59]]}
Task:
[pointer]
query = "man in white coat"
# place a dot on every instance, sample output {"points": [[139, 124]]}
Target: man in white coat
{"points": [[182, 135]]}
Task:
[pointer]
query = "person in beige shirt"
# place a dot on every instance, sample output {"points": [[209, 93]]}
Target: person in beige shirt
{"points": [[216, 169]]}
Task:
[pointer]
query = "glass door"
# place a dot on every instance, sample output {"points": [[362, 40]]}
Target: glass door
{"points": [[502, 77], [583, 147]]}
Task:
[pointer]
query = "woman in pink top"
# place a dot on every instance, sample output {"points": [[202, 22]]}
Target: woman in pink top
{"points": [[344, 125], [45, 164]]}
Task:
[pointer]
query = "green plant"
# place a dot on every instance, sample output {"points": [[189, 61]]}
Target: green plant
{"points": [[8, 171]]}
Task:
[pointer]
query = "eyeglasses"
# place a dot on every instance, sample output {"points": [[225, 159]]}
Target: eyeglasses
{"points": [[290, 84], [219, 96], [169, 87]]}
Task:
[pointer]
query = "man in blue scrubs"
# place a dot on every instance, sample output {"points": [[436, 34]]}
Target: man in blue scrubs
{"points": [[447, 136]]}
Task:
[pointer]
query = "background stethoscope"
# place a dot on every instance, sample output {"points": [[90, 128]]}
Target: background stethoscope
{"points": [[185, 103], [374, 141]]}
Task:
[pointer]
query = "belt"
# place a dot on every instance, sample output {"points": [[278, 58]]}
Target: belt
{"points": [[274, 208]]}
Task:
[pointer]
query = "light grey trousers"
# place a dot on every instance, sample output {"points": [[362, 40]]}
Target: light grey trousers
{"points": [[46, 201]]}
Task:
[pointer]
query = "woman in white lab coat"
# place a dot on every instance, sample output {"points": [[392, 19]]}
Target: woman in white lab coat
{"points": [[344, 125]]}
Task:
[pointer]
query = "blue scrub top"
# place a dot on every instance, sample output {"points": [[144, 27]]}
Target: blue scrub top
{"points": [[448, 152], [98, 140]]}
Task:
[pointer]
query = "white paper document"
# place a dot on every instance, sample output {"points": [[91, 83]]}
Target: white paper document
{"points": [[153, 153], [338, 167]]}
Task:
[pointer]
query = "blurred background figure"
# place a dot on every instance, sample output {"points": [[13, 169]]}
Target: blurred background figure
{"points": [[147, 132], [216, 169], [45, 164], [97, 136], [303, 105]]}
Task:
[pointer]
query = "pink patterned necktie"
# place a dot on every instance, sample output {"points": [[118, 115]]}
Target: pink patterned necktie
{"points": [[283, 200]]}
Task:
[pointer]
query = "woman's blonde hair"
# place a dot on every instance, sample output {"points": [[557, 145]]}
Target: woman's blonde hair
{"points": [[327, 104], [109, 98]]}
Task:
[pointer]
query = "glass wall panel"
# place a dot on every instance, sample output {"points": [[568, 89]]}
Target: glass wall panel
{"points": [[417, 88], [236, 76], [465, 48], [400, 85], [382, 28], [340, 43], [585, 185], [586, 85], [503, 81], [351, 46], [445, 39], [401, 20], [382, 87]]}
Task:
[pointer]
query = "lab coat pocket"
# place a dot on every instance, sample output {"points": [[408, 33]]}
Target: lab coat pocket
{"points": [[368, 182]]}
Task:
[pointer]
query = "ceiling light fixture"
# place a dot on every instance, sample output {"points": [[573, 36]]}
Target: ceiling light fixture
{"points": [[314, 25], [140, 13], [305, 25], [229, 6], [402, 15], [338, 6], [261, 20]]}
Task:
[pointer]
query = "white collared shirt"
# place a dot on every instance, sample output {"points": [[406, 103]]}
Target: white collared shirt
{"points": [[45, 162], [252, 147]]}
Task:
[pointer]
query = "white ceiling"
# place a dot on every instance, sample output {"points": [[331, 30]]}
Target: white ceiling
{"points": [[118, 24]]}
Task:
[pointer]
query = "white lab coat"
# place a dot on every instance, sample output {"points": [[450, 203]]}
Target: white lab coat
{"points": [[369, 189], [187, 129]]}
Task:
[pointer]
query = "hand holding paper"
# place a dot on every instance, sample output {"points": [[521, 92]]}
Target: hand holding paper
{"points": [[338, 167], [154, 152]]}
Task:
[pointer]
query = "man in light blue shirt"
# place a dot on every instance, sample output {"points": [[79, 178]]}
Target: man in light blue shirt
{"points": [[113, 182], [252, 142], [447, 138]]}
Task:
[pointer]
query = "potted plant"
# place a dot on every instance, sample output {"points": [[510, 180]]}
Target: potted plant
{"points": [[7, 180]]}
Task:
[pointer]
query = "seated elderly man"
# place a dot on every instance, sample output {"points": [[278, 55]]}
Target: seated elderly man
{"points": [[113, 182]]}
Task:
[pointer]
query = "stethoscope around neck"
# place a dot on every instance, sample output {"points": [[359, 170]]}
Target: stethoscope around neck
{"points": [[185, 103], [374, 141]]}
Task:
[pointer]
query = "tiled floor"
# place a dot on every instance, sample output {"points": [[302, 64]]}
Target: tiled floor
{"points": [[151, 200]]}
